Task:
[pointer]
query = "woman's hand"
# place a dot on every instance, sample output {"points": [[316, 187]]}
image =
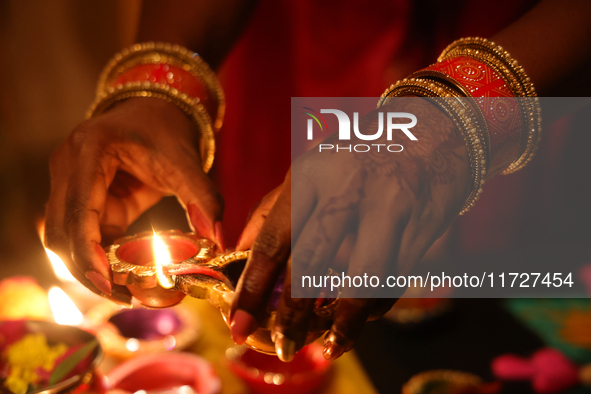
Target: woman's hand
{"points": [[113, 168], [395, 204]]}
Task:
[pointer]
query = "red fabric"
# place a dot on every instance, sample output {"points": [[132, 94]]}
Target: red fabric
{"points": [[332, 48]]}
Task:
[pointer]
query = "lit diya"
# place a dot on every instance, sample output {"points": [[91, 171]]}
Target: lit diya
{"points": [[127, 333], [160, 268]]}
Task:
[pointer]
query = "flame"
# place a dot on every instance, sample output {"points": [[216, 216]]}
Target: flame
{"points": [[60, 269], [64, 310], [161, 258]]}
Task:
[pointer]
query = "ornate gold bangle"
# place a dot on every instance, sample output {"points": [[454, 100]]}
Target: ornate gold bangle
{"points": [[415, 86], [192, 107], [482, 45], [520, 84], [437, 76], [463, 116], [163, 53]]}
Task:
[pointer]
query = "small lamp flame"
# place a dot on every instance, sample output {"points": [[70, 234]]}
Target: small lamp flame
{"points": [[60, 269], [64, 310], [161, 258]]}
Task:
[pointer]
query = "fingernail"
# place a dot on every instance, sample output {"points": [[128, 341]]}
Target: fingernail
{"points": [[199, 221], [332, 351], [99, 281], [284, 347], [243, 324], [219, 235]]}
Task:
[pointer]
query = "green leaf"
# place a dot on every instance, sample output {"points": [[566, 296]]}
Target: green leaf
{"points": [[67, 365]]}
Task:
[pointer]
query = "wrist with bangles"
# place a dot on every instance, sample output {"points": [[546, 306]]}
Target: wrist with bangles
{"points": [[490, 99], [171, 73]]}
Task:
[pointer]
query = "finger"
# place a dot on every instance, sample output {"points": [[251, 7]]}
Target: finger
{"points": [[56, 240], [256, 218], [350, 317], [376, 251], [302, 204], [85, 201], [202, 200], [291, 323], [423, 230], [268, 257], [314, 250], [303, 199], [266, 262], [56, 237]]}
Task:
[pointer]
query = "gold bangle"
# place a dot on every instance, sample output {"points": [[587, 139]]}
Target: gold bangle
{"points": [[415, 86], [192, 107], [515, 76], [497, 52], [463, 116], [530, 106], [433, 75], [163, 53], [467, 122], [445, 79]]}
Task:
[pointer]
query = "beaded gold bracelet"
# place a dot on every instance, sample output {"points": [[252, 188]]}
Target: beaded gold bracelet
{"points": [[464, 117], [164, 53], [191, 106], [462, 114]]}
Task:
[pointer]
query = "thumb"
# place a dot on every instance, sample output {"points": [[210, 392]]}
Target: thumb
{"points": [[256, 218]]}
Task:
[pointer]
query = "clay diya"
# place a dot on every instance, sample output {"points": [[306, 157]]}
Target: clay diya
{"points": [[267, 375], [449, 381], [193, 268], [127, 333], [164, 373]]}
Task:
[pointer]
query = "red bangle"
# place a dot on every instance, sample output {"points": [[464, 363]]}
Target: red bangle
{"points": [[172, 76], [503, 115]]}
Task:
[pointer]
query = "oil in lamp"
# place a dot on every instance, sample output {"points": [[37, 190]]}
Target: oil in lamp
{"points": [[161, 268]]}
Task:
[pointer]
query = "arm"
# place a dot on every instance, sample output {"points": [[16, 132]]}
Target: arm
{"points": [[552, 42], [114, 167]]}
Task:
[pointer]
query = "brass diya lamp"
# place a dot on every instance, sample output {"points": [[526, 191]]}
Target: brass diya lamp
{"points": [[161, 268]]}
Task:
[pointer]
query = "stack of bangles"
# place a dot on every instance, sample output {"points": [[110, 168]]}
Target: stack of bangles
{"points": [[490, 99], [171, 73]]}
